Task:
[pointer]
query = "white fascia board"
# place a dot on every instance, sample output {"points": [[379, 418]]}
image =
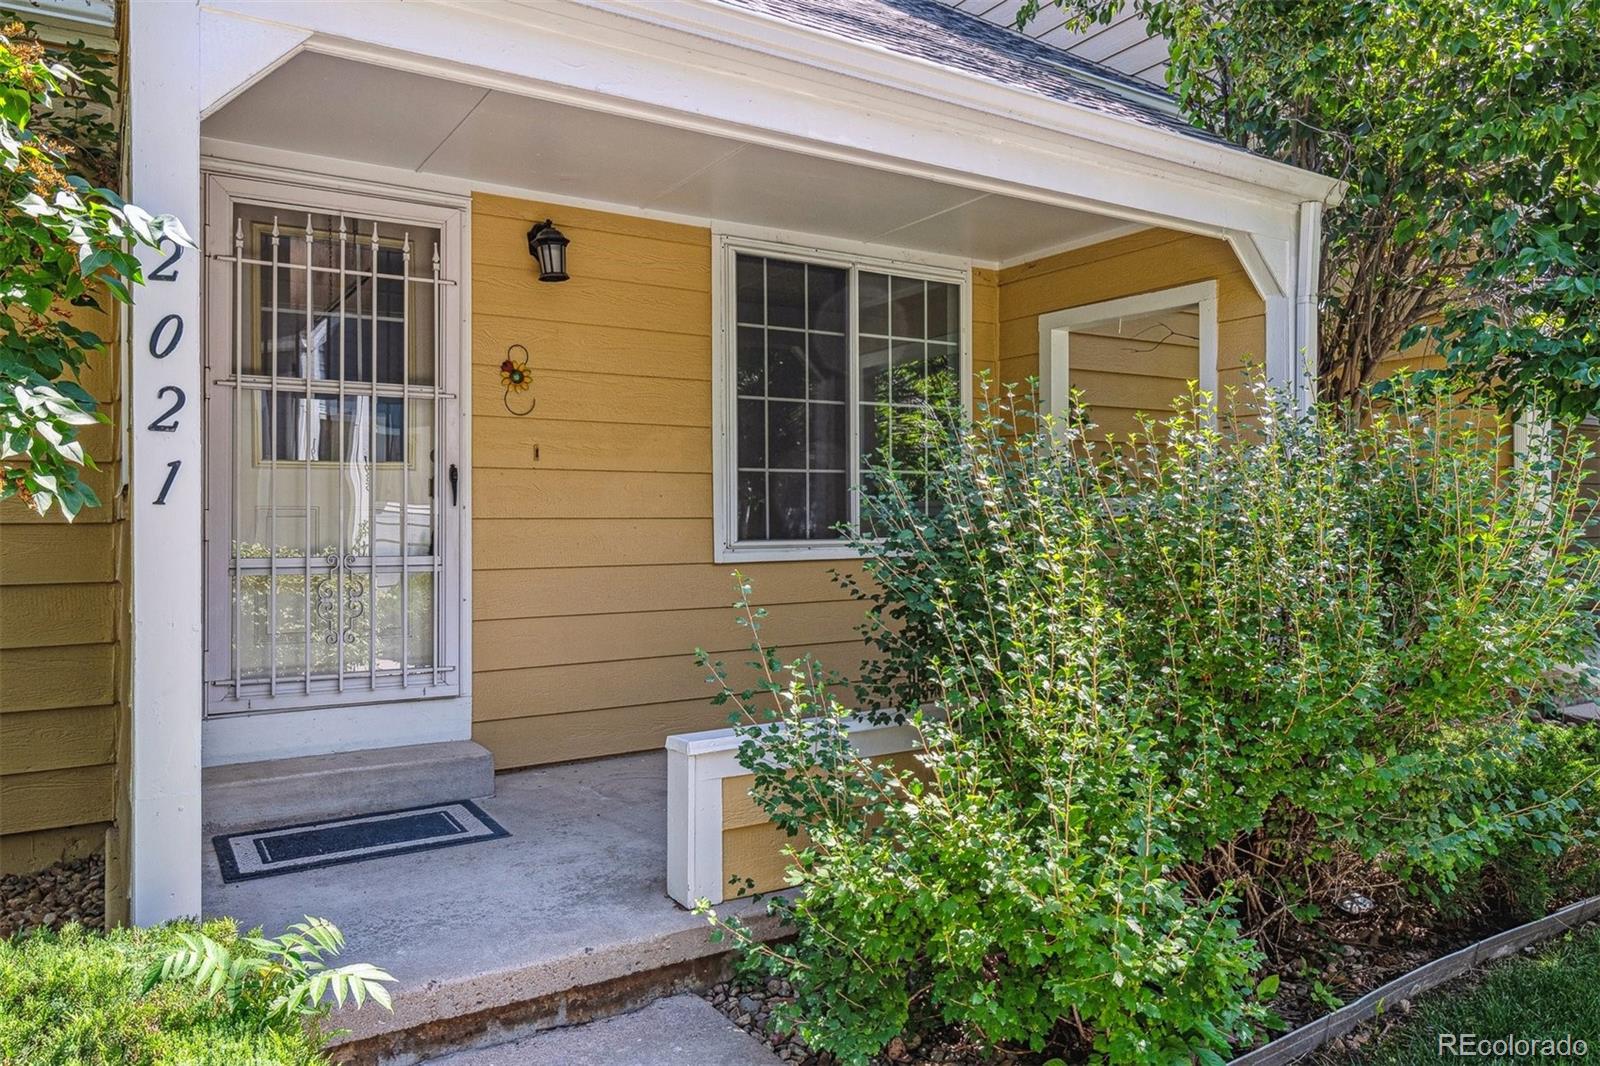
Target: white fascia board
{"points": [[590, 57]]}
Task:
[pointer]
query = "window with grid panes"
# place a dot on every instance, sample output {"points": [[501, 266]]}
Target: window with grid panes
{"points": [[838, 368]]}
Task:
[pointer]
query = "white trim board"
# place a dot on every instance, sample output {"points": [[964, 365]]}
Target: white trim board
{"points": [[697, 763], [1055, 329], [241, 738]]}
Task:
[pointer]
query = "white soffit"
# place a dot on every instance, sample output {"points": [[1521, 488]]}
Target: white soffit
{"points": [[1124, 45], [342, 109]]}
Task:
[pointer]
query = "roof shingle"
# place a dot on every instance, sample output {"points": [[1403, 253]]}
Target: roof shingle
{"points": [[927, 29]]}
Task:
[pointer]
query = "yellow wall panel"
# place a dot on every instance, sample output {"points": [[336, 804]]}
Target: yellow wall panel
{"points": [[31, 741], [40, 616], [62, 615], [56, 799], [573, 590]]}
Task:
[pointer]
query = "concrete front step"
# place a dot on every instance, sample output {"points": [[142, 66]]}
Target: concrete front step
{"points": [[676, 1031], [563, 921], [289, 791]]}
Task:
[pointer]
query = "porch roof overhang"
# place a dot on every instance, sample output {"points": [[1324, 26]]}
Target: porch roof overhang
{"points": [[726, 82]]}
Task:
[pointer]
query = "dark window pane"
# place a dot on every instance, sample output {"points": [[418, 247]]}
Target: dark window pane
{"points": [[786, 293], [908, 372], [786, 363], [752, 288], [752, 506], [944, 377], [391, 291], [914, 484], [356, 338], [829, 429], [907, 307], [944, 311], [943, 357], [826, 294], [829, 506], [752, 434], [391, 354], [786, 506], [874, 371], [391, 431], [874, 312], [752, 371], [829, 365], [875, 429], [871, 490], [288, 344], [786, 435]]}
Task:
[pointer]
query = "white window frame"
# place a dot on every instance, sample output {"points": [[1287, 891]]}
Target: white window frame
{"points": [[727, 243], [1055, 335], [365, 718]]}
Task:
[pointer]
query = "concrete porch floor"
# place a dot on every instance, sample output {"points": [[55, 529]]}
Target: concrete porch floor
{"points": [[565, 920]]}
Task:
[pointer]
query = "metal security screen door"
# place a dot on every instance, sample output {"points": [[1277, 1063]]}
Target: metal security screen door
{"points": [[330, 566]]}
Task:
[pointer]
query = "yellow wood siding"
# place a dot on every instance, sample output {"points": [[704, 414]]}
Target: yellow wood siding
{"points": [[61, 621], [1126, 266], [592, 575]]}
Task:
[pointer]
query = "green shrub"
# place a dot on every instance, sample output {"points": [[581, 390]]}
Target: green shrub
{"points": [[84, 997], [1192, 687]]}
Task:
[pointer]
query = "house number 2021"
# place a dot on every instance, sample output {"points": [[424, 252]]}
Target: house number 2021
{"points": [[164, 340]]}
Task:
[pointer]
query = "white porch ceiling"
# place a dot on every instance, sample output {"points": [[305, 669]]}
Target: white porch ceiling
{"points": [[338, 108]]}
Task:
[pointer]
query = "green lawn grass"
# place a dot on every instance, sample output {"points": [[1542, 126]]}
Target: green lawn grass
{"points": [[1548, 995], [74, 999]]}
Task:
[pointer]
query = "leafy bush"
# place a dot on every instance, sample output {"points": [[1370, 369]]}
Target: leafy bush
{"points": [[63, 242], [82, 997], [283, 976], [1190, 685]]}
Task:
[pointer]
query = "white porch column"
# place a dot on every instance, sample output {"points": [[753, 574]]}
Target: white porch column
{"points": [[1308, 284], [165, 505]]}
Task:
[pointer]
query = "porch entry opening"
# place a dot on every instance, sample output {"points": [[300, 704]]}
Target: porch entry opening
{"points": [[1129, 359], [325, 410]]}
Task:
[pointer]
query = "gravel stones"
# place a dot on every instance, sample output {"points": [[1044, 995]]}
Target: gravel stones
{"points": [[53, 897]]}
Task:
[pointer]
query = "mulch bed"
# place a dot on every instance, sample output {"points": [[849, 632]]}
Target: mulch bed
{"points": [[52, 897]]}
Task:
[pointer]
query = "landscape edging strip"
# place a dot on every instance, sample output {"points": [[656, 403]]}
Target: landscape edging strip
{"points": [[1309, 1037]]}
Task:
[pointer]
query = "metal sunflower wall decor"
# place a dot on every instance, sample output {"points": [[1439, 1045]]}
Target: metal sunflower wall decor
{"points": [[517, 378]]}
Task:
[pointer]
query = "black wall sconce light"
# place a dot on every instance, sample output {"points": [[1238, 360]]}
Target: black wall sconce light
{"points": [[548, 246]]}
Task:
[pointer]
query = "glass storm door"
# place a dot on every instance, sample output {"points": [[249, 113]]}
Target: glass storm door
{"points": [[326, 411]]}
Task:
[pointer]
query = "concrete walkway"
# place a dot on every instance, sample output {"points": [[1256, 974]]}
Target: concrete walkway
{"points": [[677, 1031]]}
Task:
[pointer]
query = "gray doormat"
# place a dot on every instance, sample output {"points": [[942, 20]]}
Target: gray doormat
{"points": [[287, 849]]}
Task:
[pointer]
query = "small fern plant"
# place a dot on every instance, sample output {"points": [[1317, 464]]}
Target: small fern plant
{"points": [[286, 975]]}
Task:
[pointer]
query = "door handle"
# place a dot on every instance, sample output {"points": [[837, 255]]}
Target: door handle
{"points": [[455, 484]]}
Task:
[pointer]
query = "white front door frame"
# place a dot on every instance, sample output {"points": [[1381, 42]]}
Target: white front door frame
{"points": [[315, 728]]}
